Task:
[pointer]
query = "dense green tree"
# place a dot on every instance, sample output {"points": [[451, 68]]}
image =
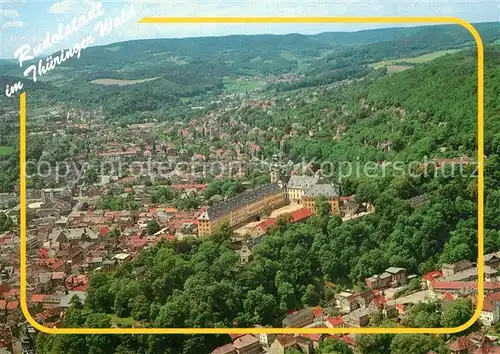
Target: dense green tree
{"points": [[457, 313], [152, 227]]}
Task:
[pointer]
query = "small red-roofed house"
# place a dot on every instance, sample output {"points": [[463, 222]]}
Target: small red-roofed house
{"points": [[401, 309], [235, 336], [350, 341], [316, 338], [247, 344], [463, 345], [428, 278], [12, 306], [36, 299], [486, 347], [335, 322], [103, 231], [317, 312], [225, 349], [57, 265], [58, 278], [490, 314]]}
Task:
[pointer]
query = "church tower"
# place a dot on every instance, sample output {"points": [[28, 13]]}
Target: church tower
{"points": [[275, 175]]}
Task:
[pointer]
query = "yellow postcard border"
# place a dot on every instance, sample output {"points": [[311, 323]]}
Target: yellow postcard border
{"points": [[364, 330]]}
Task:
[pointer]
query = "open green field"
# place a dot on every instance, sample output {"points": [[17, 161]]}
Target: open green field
{"points": [[35, 112], [391, 69], [6, 150], [414, 60], [125, 321], [119, 82], [240, 86]]}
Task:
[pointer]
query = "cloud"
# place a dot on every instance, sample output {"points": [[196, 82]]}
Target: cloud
{"points": [[10, 14], [62, 7], [14, 24]]}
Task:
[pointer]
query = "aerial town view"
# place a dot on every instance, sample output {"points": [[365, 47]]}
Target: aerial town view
{"points": [[323, 180]]}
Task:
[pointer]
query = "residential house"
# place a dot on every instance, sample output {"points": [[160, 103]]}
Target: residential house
{"points": [[286, 342], [398, 276], [490, 314], [44, 282], [245, 254], [247, 344], [357, 318], [450, 269], [492, 260], [463, 345], [428, 278], [266, 340], [364, 298], [438, 287], [298, 319], [283, 343], [225, 349], [121, 257], [348, 206], [470, 274], [58, 278], [377, 281], [335, 322]]}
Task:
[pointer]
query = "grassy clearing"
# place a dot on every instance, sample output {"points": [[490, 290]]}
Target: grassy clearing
{"points": [[125, 321], [6, 150], [235, 86], [414, 60], [391, 69], [109, 82], [39, 111]]}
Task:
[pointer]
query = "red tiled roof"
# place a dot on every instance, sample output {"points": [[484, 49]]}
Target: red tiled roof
{"points": [[336, 321], [244, 341], [12, 293], [346, 198], [12, 305], [228, 348], [235, 336], [37, 298], [300, 214], [43, 253], [349, 340], [317, 312], [456, 285], [447, 296], [266, 224], [104, 231], [314, 337], [379, 299], [432, 275], [489, 301], [487, 348], [461, 343], [58, 263]]}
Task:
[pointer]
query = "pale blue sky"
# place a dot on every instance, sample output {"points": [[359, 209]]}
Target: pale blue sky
{"points": [[28, 21]]}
